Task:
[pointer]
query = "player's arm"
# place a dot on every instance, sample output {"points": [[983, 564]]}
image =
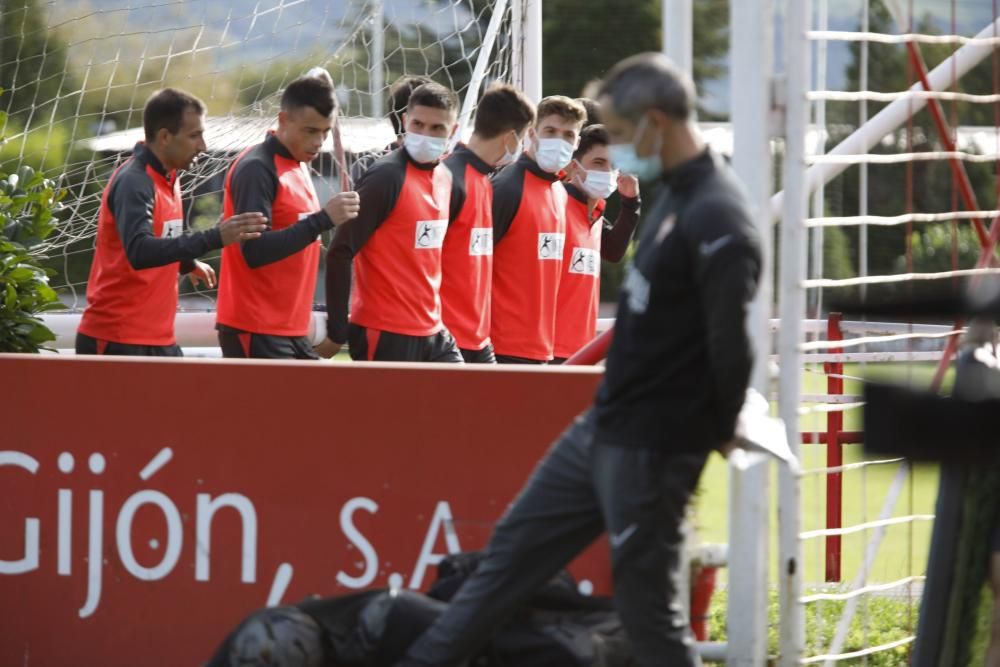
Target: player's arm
{"points": [[378, 193], [727, 260], [253, 188], [615, 238], [131, 200], [508, 190]]}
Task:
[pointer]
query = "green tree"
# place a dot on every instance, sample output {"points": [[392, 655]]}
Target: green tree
{"points": [[33, 64], [582, 43], [920, 186]]}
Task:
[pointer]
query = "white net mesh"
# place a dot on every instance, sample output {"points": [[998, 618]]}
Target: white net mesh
{"points": [[894, 214], [76, 74]]}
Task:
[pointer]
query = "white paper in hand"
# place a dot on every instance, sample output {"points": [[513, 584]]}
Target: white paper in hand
{"points": [[760, 433]]}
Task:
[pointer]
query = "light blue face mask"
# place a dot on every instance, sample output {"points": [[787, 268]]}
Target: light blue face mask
{"points": [[424, 149], [624, 157]]}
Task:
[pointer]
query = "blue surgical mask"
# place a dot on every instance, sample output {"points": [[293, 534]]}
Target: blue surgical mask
{"points": [[553, 154], [624, 157], [597, 184], [511, 156], [424, 149]]}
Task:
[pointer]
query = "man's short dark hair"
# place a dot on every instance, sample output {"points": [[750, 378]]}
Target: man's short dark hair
{"points": [[433, 95], [165, 110], [591, 136], [310, 91], [648, 81], [399, 94], [501, 109], [593, 110]]}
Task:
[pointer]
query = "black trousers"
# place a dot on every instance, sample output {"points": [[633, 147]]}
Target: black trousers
{"points": [[483, 356], [89, 345], [580, 489], [508, 359], [244, 345], [373, 345]]}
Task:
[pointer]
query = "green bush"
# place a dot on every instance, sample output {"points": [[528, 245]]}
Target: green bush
{"points": [[28, 203]]}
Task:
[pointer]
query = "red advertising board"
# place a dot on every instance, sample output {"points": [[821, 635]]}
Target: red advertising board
{"points": [[147, 506]]}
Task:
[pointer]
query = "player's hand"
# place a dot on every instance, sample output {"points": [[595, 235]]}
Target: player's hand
{"points": [[327, 349], [202, 273], [343, 207], [242, 227], [628, 186], [728, 448]]}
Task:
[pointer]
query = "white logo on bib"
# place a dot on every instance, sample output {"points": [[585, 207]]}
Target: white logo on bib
{"points": [[585, 261], [481, 241], [172, 229], [550, 246], [430, 234]]}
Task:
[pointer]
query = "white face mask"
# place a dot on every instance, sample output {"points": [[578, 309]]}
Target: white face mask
{"points": [[511, 156], [599, 184], [424, 149], [553, 154]]}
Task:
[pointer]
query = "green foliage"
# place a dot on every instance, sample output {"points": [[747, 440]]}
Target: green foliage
{"points": [[33, 64], [583, 43], [41, 148], [942, 247], [28, 203], [878, 620]]}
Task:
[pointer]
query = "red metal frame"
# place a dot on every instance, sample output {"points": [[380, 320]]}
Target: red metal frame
{"points": [[988, 240], [834, 453]]}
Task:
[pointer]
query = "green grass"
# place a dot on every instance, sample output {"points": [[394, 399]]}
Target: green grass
{"points": [[903, 551]]}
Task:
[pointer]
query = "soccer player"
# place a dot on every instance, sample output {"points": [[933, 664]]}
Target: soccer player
{"points": [[267, 284], [141, 247], [502, 118], [399, 97], [677, 372], [395, 244], [590, 238], [529, 229]]}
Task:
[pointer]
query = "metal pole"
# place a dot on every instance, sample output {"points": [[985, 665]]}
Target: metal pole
{"points": [[532, 63], [376, 69], [819, 197], [479, 73], [517, 43], [791, 639], [863, 171], [678, 33], [751, 64]]}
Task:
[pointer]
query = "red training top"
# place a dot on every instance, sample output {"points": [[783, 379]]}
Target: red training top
{"points": [[266, 285], [529, 229], [141, 248], [579, 288], [467, 255], [395, 243]]}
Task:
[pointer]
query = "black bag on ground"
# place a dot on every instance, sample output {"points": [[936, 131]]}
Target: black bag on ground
{"points": [[558, 627]]}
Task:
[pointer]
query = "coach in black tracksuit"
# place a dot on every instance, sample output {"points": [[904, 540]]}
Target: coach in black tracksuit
{"points": [[676, 375]]}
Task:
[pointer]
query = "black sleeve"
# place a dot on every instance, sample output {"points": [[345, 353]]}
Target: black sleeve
{"points": [[727, 263], [615, 238], [508, 189], [254, 188], [378, 191], [457, 169], [131, 200]]}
